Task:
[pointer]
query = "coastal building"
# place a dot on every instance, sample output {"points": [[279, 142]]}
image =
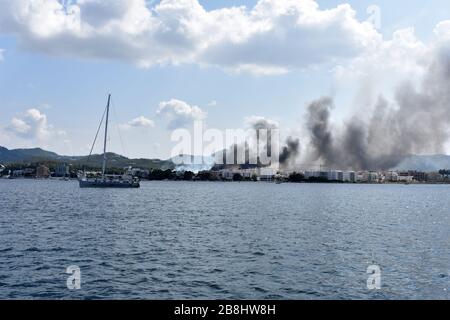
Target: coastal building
{"points": [[227, 174], [137, 172], [284, 175], [324, 175], [373, 177], [27, 172], [42, 172], [62, 170], [335, 175], [391, 176], [406, 179], [312, 174], [349, 176], [434, 177], [418, 175], [248, 173], [18, 173], [263, 174], [267, 174], [331, 175], [214, 174], [368, 177]]}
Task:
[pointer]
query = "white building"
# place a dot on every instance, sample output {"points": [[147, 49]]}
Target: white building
{"points": [[368, 177], [227, 174], [406, 179], [249, 173], [335, 175], [137, 172], [391, 176], [267, 174], [350, 176], [312, 174]]}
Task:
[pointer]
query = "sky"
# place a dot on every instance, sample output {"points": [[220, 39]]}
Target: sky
{"points": [[168, 63]]}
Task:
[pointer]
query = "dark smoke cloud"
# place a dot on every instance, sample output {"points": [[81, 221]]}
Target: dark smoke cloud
{"points": [[416, 122], [255, 123], [290, 152], [319, 127]]}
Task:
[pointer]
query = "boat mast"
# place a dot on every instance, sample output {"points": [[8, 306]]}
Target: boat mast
{"points": [[106, 136]]}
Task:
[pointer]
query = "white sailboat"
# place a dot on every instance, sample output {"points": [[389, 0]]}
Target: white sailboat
{"points": [[107, 181]]}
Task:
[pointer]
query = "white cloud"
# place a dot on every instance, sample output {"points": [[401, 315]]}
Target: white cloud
{"points": [[273, 37], [403, 55], [32, 126], [19, 127], [179, 113], [139, 122], [442, 30], [377, 72]]}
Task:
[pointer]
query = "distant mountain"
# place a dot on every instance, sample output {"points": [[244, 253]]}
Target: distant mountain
{"points": [[425, 163], [114, 160], [20, 155]]}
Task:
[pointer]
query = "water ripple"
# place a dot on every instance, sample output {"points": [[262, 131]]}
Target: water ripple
{"points": [[177, 240]]}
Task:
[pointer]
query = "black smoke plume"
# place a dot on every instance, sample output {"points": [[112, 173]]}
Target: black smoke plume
{"points": [[287, 156], [289, 152], [416, 122]]}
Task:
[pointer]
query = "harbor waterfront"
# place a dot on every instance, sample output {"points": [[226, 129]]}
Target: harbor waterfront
{"points": [[209, 240]]}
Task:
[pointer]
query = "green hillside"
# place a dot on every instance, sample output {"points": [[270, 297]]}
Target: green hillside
{"points": [[37, 155]]}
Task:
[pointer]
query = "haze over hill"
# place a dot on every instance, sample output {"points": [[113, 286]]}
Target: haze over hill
{"points": [[425, 163]]}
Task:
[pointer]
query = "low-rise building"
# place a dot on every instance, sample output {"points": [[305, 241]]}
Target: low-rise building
{"points": [[406, 179], [267, 174], [18, 173], [349, 176], [227, 174], [137, 172], [312, 174], [368, 177], [335, 175], [27, 172], [418, 175], [434, 177], [62, 170], [391, 176], [42, 172], [249, 173]]}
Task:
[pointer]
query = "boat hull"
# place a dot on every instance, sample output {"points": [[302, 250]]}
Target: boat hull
{"points": [[109, 184]]}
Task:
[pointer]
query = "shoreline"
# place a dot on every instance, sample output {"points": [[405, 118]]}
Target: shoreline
{"points": [[230, 181]]}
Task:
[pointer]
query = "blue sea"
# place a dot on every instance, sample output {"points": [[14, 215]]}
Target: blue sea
{"points": [[213, 240]]}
